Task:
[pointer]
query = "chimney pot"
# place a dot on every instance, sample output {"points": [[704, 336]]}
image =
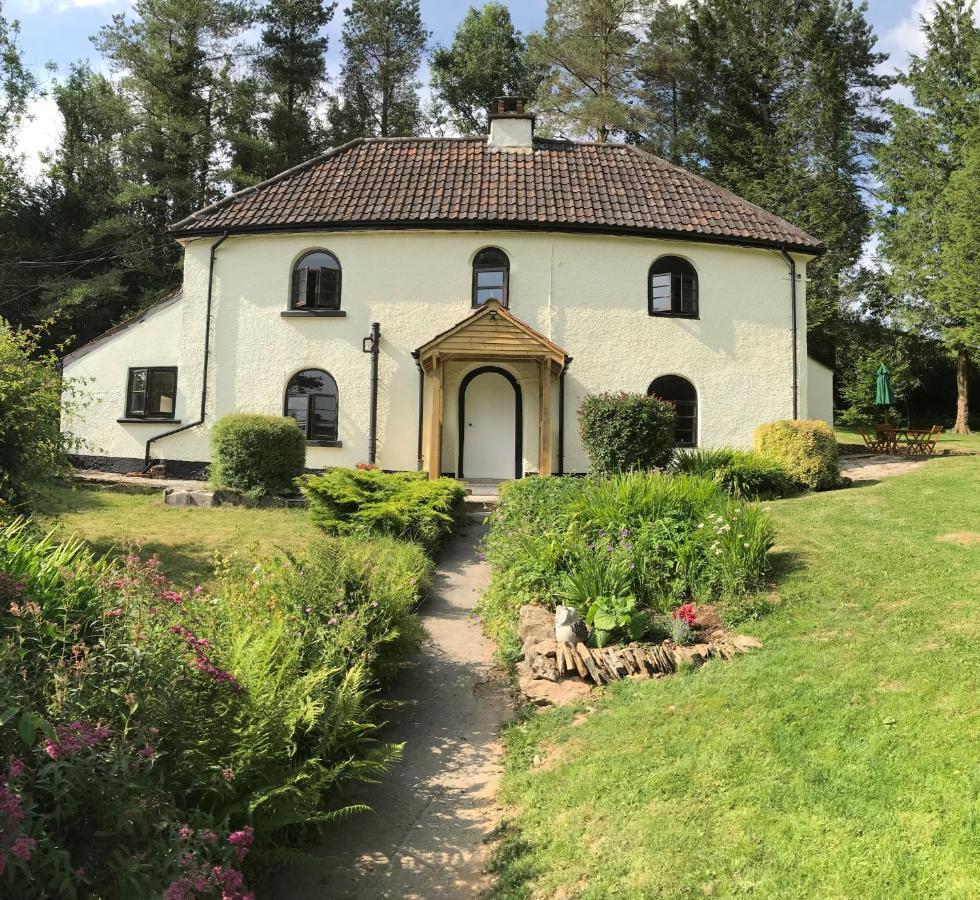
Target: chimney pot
{"points": [[511, 125]]}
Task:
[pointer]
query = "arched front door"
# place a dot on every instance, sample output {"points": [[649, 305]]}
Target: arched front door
{"points": [[490, 425]]}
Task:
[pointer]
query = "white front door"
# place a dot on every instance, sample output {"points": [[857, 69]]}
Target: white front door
{"points": [[489, 427]]}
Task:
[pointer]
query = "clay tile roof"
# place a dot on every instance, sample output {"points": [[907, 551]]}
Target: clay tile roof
{"points": [[461, 182]]}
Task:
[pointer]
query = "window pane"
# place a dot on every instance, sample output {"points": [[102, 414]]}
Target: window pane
{"points": [[297, 408], [328, 295], [137, 393], [324, 419], [161, 394], [484, 294], [491, 278], [660, 292], [689, 295], [299, 288]]}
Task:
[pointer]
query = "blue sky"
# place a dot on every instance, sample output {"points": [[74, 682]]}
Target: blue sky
{"points": [[59, 31]]}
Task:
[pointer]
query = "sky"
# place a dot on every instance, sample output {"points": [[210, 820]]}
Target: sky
{"points": [[59, 32]]}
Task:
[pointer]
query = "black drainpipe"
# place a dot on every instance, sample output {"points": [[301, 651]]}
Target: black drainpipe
{"points": [[561, 416], [372, 345], [792, 292], [207, 356], [418, 365]]}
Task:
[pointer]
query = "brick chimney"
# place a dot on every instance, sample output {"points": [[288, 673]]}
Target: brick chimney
{"points": [[511, 126]]}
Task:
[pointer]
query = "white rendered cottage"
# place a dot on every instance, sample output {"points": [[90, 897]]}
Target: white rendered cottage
{"points": [[446, 304]]}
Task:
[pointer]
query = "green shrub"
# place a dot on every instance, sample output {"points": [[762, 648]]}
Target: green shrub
{"points": [[33, 396], [401, 504], [257, 454], [661, 539], [621, 432], [807, 450], [742, 474], [142, 717]]}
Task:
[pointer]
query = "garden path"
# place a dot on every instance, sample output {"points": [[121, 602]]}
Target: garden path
{"points": [[426, 837]]}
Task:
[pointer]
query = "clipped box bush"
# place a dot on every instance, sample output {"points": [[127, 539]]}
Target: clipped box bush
{"points": [[257, 454], [742, 474], [806, 448], [622, 432], [401, 504]]}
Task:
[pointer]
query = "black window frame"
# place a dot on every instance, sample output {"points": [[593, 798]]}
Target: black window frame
{"points": [[687, 420], [681, 273], [307, 430], [319, 306], [479, 269], [149, 415]]}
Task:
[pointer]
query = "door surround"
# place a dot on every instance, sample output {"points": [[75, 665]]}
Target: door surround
{"points": [[518, 416]]}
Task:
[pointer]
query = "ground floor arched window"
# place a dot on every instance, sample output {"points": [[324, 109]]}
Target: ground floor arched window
{"points": [[683, 395], [311, 399]]}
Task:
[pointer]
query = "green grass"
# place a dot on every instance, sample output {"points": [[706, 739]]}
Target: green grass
{"points": [[841, 760], [949, 440], [185, 538]]}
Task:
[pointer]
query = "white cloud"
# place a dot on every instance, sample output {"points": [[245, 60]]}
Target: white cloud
{"points": [[39, 134]]}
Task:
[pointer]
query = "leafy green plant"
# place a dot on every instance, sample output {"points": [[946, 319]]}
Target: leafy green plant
{"points": [[256, 454], [742, 474], [621, 432], [615, 618], [33, 398], [401, 504], [807, 450]]}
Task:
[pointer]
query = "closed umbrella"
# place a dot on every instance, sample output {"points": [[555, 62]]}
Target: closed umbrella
{"points": [[884, 395]]}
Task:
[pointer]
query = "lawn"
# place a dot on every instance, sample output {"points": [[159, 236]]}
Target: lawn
{"points": [[185, 538], [839, 761]]}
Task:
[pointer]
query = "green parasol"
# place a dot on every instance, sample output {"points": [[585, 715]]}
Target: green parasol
{"points": [[884, 395]]}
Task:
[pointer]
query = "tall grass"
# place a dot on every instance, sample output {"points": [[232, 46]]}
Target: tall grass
{"points": [[742, 474]]}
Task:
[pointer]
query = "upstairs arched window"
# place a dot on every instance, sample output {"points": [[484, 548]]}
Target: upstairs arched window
{"points": [[673, 288], [683, 395], [491, 276], [311, 399], [315, 282]]}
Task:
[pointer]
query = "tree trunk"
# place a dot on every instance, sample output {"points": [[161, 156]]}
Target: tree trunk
{"points": [[962, 425]]}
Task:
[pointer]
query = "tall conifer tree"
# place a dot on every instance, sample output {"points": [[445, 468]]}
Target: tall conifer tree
{"points": [[384, 42], [927, 199]]}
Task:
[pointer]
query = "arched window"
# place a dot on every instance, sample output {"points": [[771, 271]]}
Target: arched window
{"points": [[682, 394], [673, 288], [491, 274], [311, 399], [316, 281]]}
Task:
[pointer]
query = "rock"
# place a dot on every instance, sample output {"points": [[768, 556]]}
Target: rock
{"points": [[744, 643], [548, 693], [544, 667], [173, 497], [157, 471], [534, 624], [543, 648]]}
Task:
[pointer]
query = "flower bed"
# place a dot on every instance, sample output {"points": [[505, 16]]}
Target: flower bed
{"points": [[624, 550], [156, 741]]}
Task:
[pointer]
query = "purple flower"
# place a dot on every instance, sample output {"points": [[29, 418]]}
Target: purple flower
{"points": [[22, 847]]}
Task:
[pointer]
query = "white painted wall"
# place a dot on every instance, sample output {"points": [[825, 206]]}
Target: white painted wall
{"points": [[819, 391], [587, 293]]}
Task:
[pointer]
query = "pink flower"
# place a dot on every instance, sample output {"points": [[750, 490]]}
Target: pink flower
{"points": [[113, 613], [228, 774], [16, 768], [198, 589], [184, 833], [23, 847], [147, 751], [171, 597], [208, 837]]}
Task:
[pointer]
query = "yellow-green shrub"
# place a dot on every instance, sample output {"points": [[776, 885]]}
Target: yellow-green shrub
{"points": [[806, 448]]}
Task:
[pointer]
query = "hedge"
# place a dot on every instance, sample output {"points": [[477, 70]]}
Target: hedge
{"points": [[622, 432], [806, 448], [257, 454]]}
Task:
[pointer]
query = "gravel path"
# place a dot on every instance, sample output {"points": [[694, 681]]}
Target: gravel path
{"points": [[426, 835]]}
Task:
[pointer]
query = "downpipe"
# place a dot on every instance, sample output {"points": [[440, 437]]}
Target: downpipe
{"points": [[794, 327], [207, 356], [372, 344]]}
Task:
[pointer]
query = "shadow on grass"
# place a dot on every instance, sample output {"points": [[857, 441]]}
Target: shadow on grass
{"points": [[512, 864], [785, 562]]}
